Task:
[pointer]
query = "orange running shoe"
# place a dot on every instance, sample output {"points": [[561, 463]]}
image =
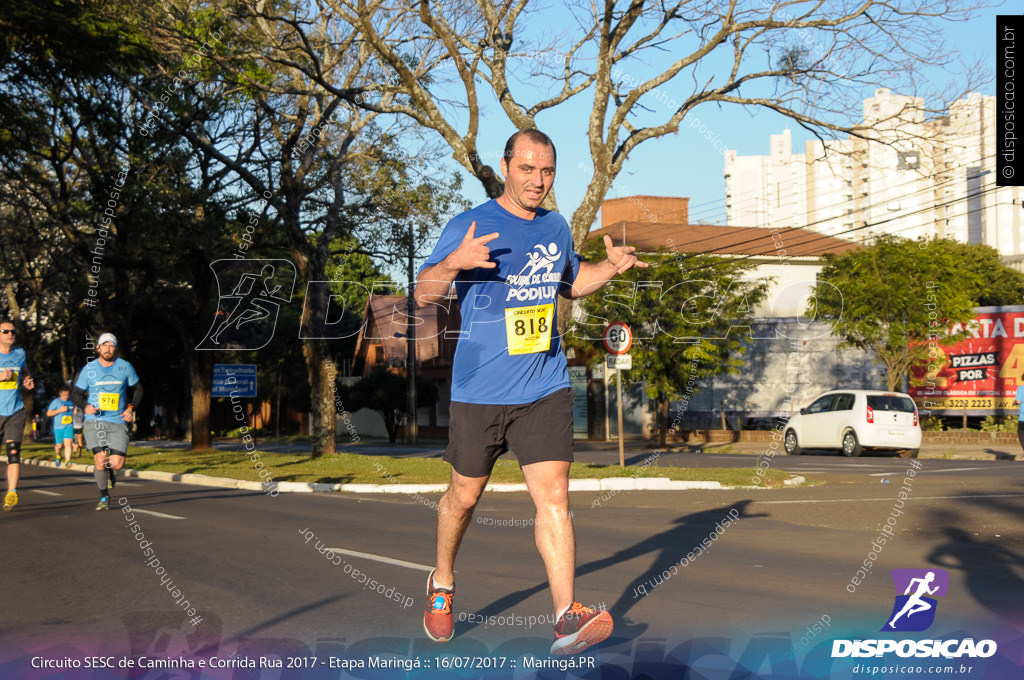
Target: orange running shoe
{"points": [[437, 617], [579, 628]]}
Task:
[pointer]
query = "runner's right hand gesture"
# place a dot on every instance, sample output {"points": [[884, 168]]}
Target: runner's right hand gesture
{"points": [[473, 251]]}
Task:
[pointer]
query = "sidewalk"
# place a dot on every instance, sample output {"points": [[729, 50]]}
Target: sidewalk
{"points": [[607, 453]]}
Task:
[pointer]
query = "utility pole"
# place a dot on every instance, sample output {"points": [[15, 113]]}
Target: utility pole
{"points": [[410, 352]]}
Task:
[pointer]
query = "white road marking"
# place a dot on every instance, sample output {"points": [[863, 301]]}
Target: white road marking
{"points": [[156, 514], [802, 470], [851, 464], [889, 499], [47, 493], [380, 558], [934, 472]]}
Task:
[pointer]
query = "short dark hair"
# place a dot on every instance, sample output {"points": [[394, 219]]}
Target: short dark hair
{"points": [[535, 136], [64, 388], [7, 320]]}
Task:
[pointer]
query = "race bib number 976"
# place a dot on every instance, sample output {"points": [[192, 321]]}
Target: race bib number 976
{"points": [[109, 401], [528, 329]]}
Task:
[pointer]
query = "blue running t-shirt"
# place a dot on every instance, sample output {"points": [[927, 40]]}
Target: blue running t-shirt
{"points": [[61, 421], [509, 350], [10, 390], [107, 387]]}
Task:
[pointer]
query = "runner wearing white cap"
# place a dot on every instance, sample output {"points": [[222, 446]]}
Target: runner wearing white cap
{"points": [[102, 392]]}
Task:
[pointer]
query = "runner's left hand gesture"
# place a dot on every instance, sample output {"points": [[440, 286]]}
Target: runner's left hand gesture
{"points": [[621, 257], [29, 383]]}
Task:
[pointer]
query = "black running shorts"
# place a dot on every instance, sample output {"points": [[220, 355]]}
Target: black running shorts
{"points": [[539, 431], [12, 428]]}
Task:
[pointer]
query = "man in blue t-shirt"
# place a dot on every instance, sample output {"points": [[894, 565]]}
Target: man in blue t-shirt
{"points": [[61, 410], [108, 391], [510, 260], [14, 375]]}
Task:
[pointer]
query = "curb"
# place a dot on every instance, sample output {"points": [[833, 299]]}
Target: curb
{"points": [[605, 484]]}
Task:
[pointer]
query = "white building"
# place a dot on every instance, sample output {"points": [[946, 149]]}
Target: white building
{"points": [[917, 177]]}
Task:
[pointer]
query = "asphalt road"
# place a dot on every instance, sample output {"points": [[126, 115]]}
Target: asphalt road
{"points": [[77, 580]]}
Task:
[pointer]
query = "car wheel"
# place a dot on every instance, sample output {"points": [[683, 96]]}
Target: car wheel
{"points": [[791, 444], [851, 447], [909, 453]]}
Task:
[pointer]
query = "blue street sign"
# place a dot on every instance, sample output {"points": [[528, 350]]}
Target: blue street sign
{"points": [[234, 379]]}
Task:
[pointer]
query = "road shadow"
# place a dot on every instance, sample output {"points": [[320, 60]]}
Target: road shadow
{"points": [[667, 547], [1001, 455], [990, 572]]}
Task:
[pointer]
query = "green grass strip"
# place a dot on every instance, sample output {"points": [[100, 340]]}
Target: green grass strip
{"points": [[351, 468]]}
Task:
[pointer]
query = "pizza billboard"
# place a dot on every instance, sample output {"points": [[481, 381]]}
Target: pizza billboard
{"points": [[979, 374]]}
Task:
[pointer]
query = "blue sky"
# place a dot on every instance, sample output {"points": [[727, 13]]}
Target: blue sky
{"points": [[690, 163]]}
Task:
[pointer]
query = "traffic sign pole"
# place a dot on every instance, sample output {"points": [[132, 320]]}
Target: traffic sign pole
{"points": [[618, 338], [618, 390]]}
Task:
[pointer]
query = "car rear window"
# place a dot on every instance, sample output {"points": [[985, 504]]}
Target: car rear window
{"points": [[890, 402]]}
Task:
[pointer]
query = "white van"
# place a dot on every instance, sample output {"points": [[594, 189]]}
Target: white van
{"points": [[855, 420]]}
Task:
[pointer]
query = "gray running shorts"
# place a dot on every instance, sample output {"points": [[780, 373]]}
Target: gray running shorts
{"points": [[103, 434]]}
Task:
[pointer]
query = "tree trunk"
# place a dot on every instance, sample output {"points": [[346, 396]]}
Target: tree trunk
{"points": [[662, 420], [201, 374], [391, 425], [321, 397]]}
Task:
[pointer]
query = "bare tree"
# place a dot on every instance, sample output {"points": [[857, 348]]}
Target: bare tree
{"points": [[646, 65]]}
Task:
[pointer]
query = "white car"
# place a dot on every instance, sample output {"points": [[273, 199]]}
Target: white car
{"points": [[855, 420]]}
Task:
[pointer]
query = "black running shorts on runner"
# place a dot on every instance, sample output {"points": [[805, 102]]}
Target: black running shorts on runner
{"points": [[12, 427], [539, 431]]}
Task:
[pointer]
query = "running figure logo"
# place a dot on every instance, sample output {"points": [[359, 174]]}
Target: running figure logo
{"points": [[545, 260], [247, 315], [914, 610]]}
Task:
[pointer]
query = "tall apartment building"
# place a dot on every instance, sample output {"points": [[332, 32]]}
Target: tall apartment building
{"points": [[916, 176]]}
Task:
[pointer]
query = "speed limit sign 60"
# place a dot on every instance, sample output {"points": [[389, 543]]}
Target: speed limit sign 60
{"points": [[617, 338]]}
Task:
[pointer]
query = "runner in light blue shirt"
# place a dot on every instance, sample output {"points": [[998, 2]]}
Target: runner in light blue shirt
{"points": [[14, 376], [102, 391], [61, 410]]}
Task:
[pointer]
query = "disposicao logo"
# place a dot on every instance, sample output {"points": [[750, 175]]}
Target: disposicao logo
{"points": [[251, 294], [914, 610]]}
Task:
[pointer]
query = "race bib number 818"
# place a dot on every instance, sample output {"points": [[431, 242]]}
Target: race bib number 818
{"points": [[528, 329]]}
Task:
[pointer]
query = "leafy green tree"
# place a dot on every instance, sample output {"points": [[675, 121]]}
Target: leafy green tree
{"points": [[385, 392], [998, 284], [325, 171], [891, 297], [682, 311]]}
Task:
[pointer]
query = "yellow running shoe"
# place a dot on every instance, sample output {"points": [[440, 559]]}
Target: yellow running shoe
{"points": [[10, 500]]}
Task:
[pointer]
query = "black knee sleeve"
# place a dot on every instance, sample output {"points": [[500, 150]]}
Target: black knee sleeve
{"points": [[13, 454]]}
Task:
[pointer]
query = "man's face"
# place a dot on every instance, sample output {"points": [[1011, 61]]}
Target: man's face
{"points": [[529, 175], [7, 335], [64, 395], [107, 351]]}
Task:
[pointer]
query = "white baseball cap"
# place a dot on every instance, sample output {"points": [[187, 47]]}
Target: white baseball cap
{"points": [[107, 337]]}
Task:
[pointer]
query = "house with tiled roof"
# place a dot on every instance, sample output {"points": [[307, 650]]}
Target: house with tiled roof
{"points": [[382, 341], [791, 255], [786, 355]]}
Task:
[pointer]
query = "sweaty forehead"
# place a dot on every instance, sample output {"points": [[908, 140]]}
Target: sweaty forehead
{"points": [[533, 153]]}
